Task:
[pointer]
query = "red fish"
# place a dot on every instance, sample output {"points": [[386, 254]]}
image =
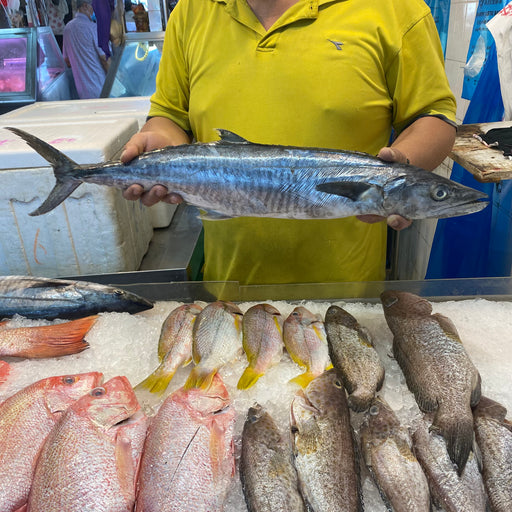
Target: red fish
{"points": [[26, 418], [90, 459], [45, 341], [4, 371]]}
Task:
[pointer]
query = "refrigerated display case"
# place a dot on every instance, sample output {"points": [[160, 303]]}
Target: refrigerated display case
{"points": [[31, 68], [134, 66]]}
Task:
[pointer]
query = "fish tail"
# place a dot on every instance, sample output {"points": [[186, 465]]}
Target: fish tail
{"points": [[200, 378], [157, 382], [63, 168], [248, 378], [52, 340], [458, 435], [303, 379]]}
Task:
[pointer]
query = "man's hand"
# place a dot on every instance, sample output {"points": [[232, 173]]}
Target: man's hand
{"points": [[396, 222], [152, 137]]}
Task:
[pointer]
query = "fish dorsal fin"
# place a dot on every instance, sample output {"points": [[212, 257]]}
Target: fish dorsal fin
{"points": [[227, 136], [352, 190]]}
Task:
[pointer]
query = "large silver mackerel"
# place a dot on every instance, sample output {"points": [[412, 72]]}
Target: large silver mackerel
{"points": [[234, 178]]}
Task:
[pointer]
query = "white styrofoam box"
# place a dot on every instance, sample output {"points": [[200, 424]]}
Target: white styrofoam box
{"points": [[93, 231], [133, 107]]}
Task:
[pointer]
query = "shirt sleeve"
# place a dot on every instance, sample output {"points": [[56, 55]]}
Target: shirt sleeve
{"points": [[417, 79], [171, 98]]}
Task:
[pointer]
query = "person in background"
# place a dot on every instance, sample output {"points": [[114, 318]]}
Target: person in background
{"points": [[57, 10], [82, 53], [322, 73], [103, 10]]}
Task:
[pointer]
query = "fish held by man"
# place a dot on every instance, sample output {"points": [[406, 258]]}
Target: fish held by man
{"points": [[436, 367], [43, 297], [235, 178]]}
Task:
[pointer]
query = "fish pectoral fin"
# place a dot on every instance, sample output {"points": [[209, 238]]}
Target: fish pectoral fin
{"points": [[353, 190]]}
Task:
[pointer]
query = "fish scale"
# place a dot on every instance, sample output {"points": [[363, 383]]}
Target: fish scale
{"points": [[235, 178]]}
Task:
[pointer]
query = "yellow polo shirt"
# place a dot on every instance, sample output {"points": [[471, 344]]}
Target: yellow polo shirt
{"points": [[336, 74]]}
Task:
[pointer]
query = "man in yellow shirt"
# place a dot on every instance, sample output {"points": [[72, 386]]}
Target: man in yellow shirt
{"points": [[323, 73]]}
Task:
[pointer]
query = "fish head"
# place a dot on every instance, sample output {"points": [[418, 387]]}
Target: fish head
{"points": [[64, 390], [404, 304], [380, 419], [109, 404], [339, 316], [423, 194], [322, 397], [259, 420]]}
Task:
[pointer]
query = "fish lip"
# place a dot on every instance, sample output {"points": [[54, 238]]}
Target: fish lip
{"points": [[468, 207]]}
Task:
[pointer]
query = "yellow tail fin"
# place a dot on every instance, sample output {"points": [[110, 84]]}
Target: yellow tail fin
{"points": [[303, 379], [200, 378], [157, 382], [248, 378]]}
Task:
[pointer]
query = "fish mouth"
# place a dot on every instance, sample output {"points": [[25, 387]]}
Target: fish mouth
{"points": [[477, 202]]}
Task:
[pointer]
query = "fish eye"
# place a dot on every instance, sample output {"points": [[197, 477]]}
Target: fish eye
{"points": [[374, 410], [98, 392], [68, 380], [294, 429], [338, 383], [439, 192]]}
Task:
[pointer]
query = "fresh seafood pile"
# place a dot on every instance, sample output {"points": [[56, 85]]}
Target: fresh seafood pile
{"points": [[266, 407]]}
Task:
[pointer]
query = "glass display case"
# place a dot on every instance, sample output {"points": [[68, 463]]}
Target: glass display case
{"points": [[31, 68], [17, 68], [134, 66]]}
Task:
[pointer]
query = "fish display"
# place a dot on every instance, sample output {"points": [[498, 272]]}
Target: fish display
{"points": [[216, 340], [353, 355], [89, 461], [306, 342], [262, 342], [42, 297], [188, 461], [42, 341], [449, 490], [233, 177], [494, 438], [323, 447], [387, 450], [26, 419], [174, 347], [437, 368], [269, 479]]}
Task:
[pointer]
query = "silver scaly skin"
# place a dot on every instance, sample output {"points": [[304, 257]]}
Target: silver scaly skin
{"points": [[494, 438], [235, 178]]}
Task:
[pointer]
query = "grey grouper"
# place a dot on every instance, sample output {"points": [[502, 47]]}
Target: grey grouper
{"points": [[235, 178], [437, 369]]}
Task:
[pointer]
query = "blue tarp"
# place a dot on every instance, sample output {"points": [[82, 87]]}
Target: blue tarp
{"points": [[441, 13], [480, 244]]}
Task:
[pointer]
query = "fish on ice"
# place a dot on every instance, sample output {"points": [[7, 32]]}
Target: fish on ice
{"points": [[262, 341], [42, 341], [233, 177], [26, 419], [269, 478], [437, 368], [89, 461], [352, 353], [43, 297]]}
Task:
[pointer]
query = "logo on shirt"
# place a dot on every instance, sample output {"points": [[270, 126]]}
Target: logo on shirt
{"points": [[338, 44]]}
